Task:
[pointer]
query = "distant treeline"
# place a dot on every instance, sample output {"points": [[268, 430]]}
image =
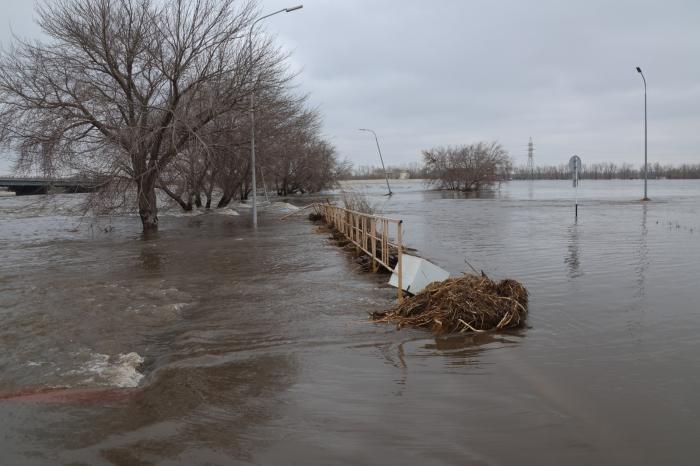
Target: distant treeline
{"points": [[503, 170], [608, 171], [411, 170]]}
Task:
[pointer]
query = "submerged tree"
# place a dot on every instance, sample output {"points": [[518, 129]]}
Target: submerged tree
{"points": [[122, 88], [467, 167], [292, 157]]}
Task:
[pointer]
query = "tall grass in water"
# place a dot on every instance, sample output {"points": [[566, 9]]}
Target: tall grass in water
{"points": [[357, 202]]}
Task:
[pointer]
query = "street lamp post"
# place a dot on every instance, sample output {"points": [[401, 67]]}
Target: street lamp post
{"points": [[380, 158], [639, 70], [252, 109]]}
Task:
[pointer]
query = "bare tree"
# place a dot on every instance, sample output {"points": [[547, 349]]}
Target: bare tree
{"points": [[124, 87], [467, 167], [294, 155]]}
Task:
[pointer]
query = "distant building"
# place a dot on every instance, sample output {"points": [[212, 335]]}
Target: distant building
{"points": [[398, 174]]}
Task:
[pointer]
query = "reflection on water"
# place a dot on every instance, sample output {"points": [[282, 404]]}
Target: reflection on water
{"points": [[572, 260], [150, 256], [643, 254], [464, 350], [484, 194], [257, 349]]}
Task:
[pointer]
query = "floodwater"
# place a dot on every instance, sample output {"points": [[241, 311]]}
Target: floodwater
{"points": [[215, 344]]}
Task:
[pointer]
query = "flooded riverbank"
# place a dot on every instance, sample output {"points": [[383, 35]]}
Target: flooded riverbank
{"points": [[256, 346]]}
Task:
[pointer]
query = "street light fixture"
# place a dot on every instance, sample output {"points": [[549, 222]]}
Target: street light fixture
{"points": [[252, 108], [380, 158], [645, 198]]}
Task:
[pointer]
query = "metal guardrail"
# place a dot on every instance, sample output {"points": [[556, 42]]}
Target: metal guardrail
{"points": [[370, 234]]}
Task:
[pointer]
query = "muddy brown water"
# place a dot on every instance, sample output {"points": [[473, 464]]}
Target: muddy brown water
{"points": [[256, 349]]}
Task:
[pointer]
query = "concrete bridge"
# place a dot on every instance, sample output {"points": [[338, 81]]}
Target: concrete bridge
{"points": [[28, 185]]}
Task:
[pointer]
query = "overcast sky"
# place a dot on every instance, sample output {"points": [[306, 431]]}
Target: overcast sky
{"points": [[426, 73]]}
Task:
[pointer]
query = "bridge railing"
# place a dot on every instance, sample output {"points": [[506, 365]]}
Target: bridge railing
{"points": [[376, 236]]}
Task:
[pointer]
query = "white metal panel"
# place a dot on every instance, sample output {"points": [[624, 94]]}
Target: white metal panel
{"points": [[417, 274]]}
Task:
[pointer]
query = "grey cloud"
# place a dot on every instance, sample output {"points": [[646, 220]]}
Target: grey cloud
{"points": [[424, 73], [444, 72]]}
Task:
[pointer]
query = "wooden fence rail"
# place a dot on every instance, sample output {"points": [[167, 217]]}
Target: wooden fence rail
{"points": [[371, 234]]}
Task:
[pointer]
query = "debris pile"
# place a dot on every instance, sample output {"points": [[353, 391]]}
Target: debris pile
{"points": [[315, 217], [465, 304]]}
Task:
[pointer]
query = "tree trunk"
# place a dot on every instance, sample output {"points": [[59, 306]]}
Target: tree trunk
{"points": [[148, 207], [176, 197], [208, 194], [227, 197], [224, 201]]}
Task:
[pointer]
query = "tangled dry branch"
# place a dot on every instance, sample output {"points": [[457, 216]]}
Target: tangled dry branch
{"points": [[465, 304]]}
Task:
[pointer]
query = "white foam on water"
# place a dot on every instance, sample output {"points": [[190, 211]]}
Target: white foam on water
{"points": [[119, 371], [134, 310], [241, 205], [164, 311], [171, 309], [228, 211], [181, 213], [284, 206]]}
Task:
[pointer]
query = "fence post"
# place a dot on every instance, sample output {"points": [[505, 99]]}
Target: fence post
{"points": [[364, 233], [373, 238], [385, 242], [399, 264], [356, 223]]}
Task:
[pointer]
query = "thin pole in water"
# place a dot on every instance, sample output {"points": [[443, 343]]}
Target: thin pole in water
{"points": [[645, 198], [575, 167], [386, 176], [252, 109], [576, 197], [399, 264]]}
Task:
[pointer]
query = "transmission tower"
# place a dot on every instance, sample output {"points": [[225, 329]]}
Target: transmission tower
{"points": [[531, 159]]}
